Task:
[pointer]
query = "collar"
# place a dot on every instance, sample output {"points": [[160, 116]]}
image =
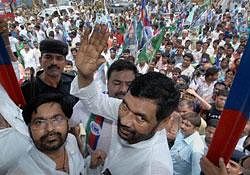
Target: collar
{"points": [[190, 138], [159, 137]]}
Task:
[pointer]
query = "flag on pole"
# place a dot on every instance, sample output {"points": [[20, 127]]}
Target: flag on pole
{"points": [[235, 114], [8, 77], [151, 47], [144, 13]]}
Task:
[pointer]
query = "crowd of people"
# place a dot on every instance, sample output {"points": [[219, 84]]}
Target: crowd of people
{"points": [[93, 107]]}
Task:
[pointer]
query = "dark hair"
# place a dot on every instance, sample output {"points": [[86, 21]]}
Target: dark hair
{"points": [[189, 55], [224, 93], [69, 62], [126, 51], [220, 83], [199, 42], [177, 70], [121, 65], [193, 118], [211, 71], [188, 103], [157, 87], [47, 98], [212, 123]]}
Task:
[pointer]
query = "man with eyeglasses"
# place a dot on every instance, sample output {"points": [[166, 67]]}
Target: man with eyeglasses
{"points": [[55, 151], [51, 79]]}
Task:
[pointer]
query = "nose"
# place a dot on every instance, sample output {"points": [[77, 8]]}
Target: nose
{"points": [[50, 125], [124, 88], [127, 120]]}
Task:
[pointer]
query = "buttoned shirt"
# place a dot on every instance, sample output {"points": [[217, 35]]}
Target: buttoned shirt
{"points": [[202, 88], [186, 154]]}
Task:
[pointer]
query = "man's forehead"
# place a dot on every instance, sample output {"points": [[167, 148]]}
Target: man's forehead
{"points": [[124, 74], [52, 54]]}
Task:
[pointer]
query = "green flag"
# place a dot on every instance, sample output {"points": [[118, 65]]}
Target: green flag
{"points": [[151, 47]]}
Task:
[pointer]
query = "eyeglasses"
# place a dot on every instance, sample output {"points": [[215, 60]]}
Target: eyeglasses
{"points": [[43, 123]]}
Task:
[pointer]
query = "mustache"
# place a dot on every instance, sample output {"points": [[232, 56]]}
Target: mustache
{"points": [[44, 137], [53, 66], [121, 93], [124, 127]]}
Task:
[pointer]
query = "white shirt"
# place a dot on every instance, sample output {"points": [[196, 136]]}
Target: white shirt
{"points": [[13, 42], [36, 162], [143, 69], [29, 58], [82, 115], [188, 71], [66, 25], [150, 157], [202, 88], [12, 113], [14, 145], [59, 35], [40, 35]]}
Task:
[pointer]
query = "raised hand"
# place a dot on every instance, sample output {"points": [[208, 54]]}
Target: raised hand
{"points": [[88, 57], [97, 158]]}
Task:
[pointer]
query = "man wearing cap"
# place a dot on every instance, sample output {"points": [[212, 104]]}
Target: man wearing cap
{"points": [[52, 78]]}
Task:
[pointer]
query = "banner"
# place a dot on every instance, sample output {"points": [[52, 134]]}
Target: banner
{"points": [[235, 114]]}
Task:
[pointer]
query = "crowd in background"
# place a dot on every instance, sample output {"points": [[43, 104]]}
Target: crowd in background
{"points": [[201, 56]]}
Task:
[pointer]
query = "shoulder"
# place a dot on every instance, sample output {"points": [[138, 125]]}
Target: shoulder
{"points": [[67, 77]]}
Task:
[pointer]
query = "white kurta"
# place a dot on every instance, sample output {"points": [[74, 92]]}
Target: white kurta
{"points": [[150, 157]]}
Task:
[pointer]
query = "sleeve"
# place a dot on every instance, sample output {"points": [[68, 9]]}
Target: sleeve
{"points": [[196, 169], [96, 102]]}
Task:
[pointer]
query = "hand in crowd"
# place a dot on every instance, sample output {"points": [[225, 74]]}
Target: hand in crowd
{"points": [[88, 57], [191, 91], [97, 158], [208, 168]]}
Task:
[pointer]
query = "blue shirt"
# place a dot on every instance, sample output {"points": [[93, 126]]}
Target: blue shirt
{"points": [[186, 154]]}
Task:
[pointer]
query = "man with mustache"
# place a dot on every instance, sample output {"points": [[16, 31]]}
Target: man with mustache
{"points": [[137, 148], [55, 151], [51, 79], [120, 75]]}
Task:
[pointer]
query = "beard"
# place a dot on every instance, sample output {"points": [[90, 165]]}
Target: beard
{"points": [[132, 136], [120, 95], [51, 141]]}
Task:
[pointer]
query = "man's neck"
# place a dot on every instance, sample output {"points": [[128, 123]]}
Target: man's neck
{"points": [[51, 81], [55, 155], [60, 157]]}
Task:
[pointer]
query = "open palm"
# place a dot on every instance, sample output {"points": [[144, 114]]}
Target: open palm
{"points": [[89, 55]]}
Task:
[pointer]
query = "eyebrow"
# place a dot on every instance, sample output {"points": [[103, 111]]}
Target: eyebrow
{"points": [[136, 113], [42, 118]]}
